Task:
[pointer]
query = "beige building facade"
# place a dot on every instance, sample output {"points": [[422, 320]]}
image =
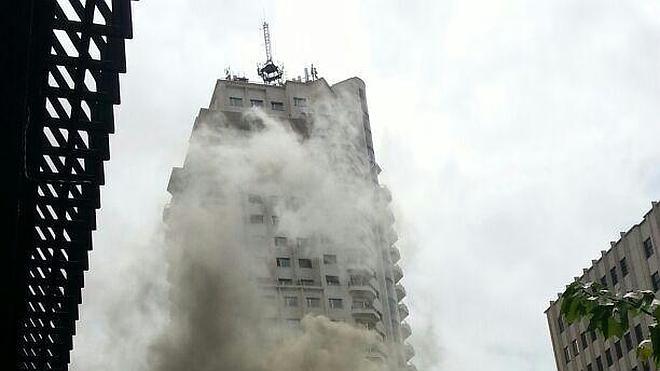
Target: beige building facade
{"points": [[631, 263], [302, 274]]}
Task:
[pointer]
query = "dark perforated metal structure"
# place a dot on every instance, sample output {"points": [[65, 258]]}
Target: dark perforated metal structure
{"points": [[61, 61]]}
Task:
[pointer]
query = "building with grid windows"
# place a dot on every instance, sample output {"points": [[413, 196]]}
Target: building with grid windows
{"points": [[631, 263], [304, 274]]}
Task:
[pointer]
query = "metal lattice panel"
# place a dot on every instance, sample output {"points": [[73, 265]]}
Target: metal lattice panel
{"points": [[77, 53]]}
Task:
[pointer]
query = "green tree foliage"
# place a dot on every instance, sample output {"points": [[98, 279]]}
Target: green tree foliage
{"points": [[610, 313]]}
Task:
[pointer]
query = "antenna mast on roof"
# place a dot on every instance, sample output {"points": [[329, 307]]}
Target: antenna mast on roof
{"points": [[269, 71]]}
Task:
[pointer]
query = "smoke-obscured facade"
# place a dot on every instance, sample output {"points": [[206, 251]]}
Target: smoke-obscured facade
{"points": [[279, 241]]}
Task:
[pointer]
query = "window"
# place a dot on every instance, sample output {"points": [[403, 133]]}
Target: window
{"points": [[254, 199], [603, 281], [236, 102], [299, 102], [583, 340], [618, 350], [332, 280], [285, 281], [336, 303], [655, 280], [613, 276], [599, 364], [291, 301], [574, 346], [256, 219], [567, 355], [277, 106], [280, 241], [256, 103], [560, 323], [648, 247], [608, 357], [628, 341], [593, 335], [639, 335], [305, 263], [283, 262], [589, 368], [624, 267], [313, 302], [329, 259], [306, 282], [275, 219]]}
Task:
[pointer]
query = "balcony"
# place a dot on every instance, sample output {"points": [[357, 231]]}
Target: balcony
{"points": [[395, 255], [406, 331], [397, 272], [365, 311], [403, 311], [408, 351], [363, 286], [400, 291]]}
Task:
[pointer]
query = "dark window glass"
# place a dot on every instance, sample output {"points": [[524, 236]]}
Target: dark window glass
{"points": [[277, 106], [618, 350], [313, 302], [305, 263], [603, 281], [256, 103], [283, 262], [589, 368], [236, 102], [608, 358], [655, 281], [299, 102], [583, 340], [599, 364], [639, 335], [285, 281], [332, 280], [329, 259], [280, 241], [275, 219], [305, 282], [613, 276], [336, 303], [624, 267], [574, 346], [648, 247], [560, 323], [567, 355], [257, 219], [628, 341], [593, 335]]}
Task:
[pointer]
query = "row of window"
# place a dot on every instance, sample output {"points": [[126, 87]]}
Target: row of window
{"points": [[259, 219], [328, 259], [575, 348], [274, 105], [329, 280], [313, 302]]}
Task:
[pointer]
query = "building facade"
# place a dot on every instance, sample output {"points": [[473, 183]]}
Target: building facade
{"points": [[306, 274], [631, 263]]}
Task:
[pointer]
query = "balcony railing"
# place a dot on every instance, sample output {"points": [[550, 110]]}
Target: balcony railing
{"points": [[400, 291], [406, 331], [403, 311], [397, 272]]}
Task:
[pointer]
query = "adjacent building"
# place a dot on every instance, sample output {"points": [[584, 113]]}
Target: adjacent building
{"points": [[321, 280], [631, 263]]}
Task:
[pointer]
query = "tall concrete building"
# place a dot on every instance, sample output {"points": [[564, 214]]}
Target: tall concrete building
{"points": [[631, 263], [305, 274]]}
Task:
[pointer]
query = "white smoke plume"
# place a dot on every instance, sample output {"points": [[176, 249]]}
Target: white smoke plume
{"points": [[211, 314]]}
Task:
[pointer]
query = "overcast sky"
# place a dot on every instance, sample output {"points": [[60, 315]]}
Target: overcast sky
{"points": [[518, 138]]}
